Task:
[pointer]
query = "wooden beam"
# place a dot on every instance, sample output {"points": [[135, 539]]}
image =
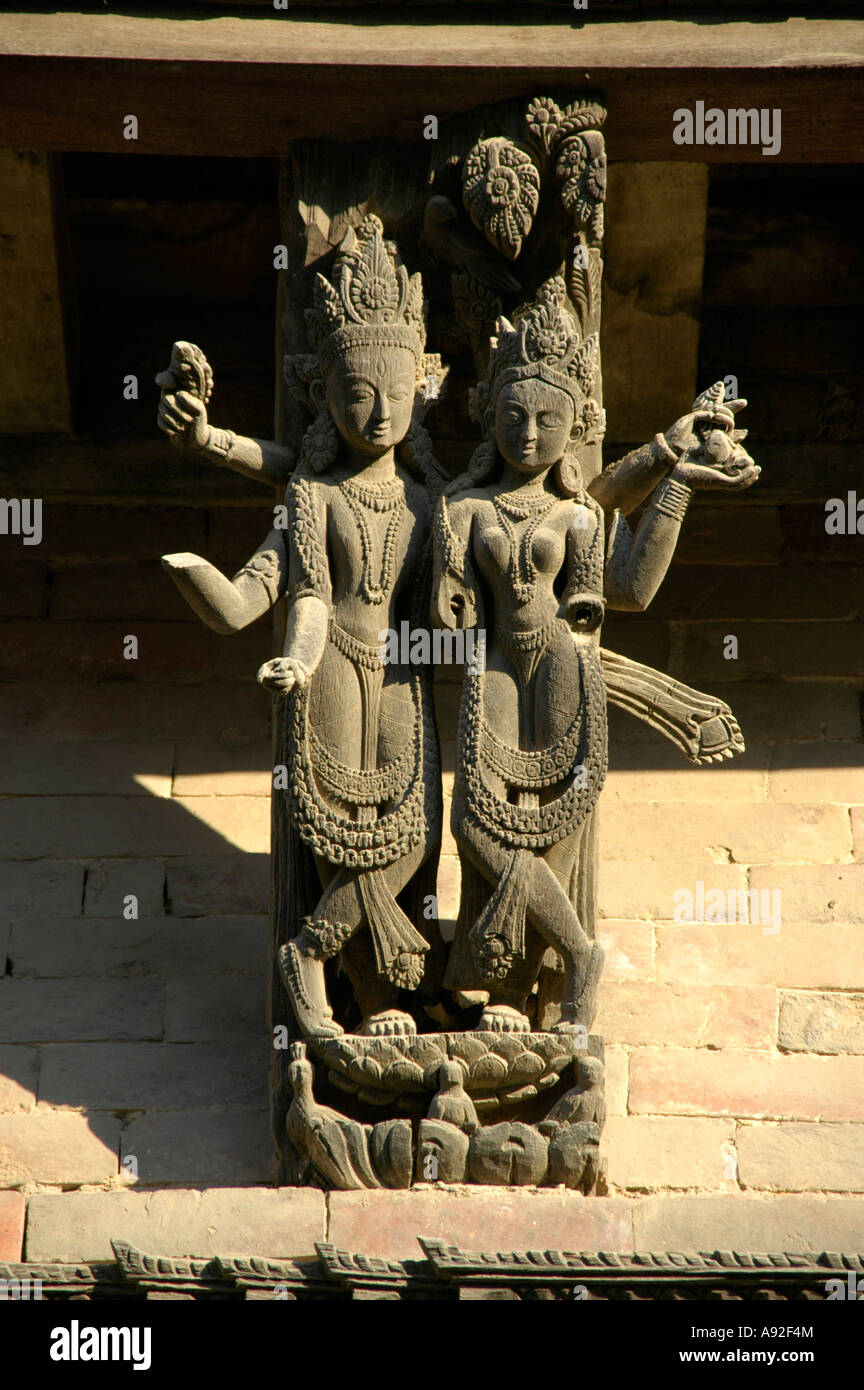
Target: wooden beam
{"points": [[34, 387], [249, 86]]}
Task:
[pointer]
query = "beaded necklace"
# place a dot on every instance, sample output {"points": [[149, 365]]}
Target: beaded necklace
{"points": [[388, 498], [510, 507]]}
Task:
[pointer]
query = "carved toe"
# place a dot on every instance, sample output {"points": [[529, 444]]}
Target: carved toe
{"points": [[503, 1018], [393, 1023]]}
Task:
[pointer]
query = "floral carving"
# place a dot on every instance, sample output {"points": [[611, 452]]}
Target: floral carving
{"points": [[581, 167], [476, 306], [501, 191], [543, 118], [549, 125], [496, 1065]]}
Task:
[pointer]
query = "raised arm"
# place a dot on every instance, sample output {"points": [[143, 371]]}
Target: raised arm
{"points": [[186, 385], [710, 456], [184, 419], [636, 565], [623, 485], [705, 434], [227, 605]]}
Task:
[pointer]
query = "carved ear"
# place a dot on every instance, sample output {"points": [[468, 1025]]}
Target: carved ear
{"points": [[318, 393]]}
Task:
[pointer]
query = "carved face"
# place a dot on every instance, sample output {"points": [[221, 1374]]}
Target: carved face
{"points": [[533, 424], [371, 396]]}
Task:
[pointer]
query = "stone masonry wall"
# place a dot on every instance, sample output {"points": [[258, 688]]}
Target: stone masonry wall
{"points": [[735, 1053]]}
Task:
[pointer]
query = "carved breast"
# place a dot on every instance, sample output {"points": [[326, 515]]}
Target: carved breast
{"points": [[547, 550], [495, 553]]}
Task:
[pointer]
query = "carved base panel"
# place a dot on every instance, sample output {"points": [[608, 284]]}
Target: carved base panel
{"points": [[503, 1109], [498, 1067]]}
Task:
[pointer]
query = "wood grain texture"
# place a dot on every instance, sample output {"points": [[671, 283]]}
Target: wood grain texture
{"points": [[248, 86]]}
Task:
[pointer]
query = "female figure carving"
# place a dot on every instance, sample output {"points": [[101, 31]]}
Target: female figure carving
{"points": [[525, 553], [356, 733]]}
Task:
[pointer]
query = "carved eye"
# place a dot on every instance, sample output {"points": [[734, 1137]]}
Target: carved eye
{"points": [[398, 396], [549, 421]]}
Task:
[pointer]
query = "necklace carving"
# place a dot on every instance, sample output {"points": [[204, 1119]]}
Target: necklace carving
{"points": [[510, 508], [361, 498]]}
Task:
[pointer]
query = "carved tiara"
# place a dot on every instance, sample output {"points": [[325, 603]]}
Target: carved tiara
{"points": [[543, 342], [371, 300]]}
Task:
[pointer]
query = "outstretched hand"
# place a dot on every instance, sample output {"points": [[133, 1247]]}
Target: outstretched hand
{"points": [[709, 449]]}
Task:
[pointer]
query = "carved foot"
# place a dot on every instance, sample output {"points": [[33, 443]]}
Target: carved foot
{"points": [[390, 1023], [579, 1013], [503, 1018], [303, 977]]}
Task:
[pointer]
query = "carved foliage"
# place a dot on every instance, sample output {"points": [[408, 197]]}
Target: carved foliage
{"points": [[581, 167]]}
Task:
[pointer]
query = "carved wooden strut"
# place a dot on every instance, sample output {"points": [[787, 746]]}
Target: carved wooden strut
{"points": [[475, 1064]]}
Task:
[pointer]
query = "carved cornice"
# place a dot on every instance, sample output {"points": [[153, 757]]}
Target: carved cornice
{"points": [[446, 1272]]}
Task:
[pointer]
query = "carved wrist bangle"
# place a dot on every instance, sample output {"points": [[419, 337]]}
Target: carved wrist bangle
{"points": [[672, 498], [220, 443]]}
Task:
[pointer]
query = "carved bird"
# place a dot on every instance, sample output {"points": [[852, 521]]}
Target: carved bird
{"points": [[337, 1147], [457, 244], [586, 1102], [451, 1101]]}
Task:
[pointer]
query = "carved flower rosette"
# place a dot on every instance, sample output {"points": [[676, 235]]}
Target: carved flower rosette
{"points": [[501, 191]]}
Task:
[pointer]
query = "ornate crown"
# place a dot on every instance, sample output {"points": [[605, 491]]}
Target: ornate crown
{"points": [[371, 299], [543, 342]]}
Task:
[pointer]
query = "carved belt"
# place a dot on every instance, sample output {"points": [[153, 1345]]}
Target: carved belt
{"points": [[531, 770], [362, 843], [532, 640], [525, 648], [355, 650]]}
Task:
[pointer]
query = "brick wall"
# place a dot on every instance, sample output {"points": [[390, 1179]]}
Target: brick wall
{"points": [[736, 1056], [738, 1050]]}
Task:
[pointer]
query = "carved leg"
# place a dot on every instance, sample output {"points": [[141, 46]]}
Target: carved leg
{"points": [[553, 916], [334, 926], [301, 966], [376, 997]]}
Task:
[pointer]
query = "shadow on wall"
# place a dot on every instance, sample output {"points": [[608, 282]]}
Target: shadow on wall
{"points": [[134, 936], [133, 930]]}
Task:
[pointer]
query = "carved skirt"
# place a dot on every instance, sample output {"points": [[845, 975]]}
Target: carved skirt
{"points": [[526, 816], [408, 783], [525, 801]]}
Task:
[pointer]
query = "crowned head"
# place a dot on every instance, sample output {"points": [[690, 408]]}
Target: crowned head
{"points": [[367, 330], [536, 401]]}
